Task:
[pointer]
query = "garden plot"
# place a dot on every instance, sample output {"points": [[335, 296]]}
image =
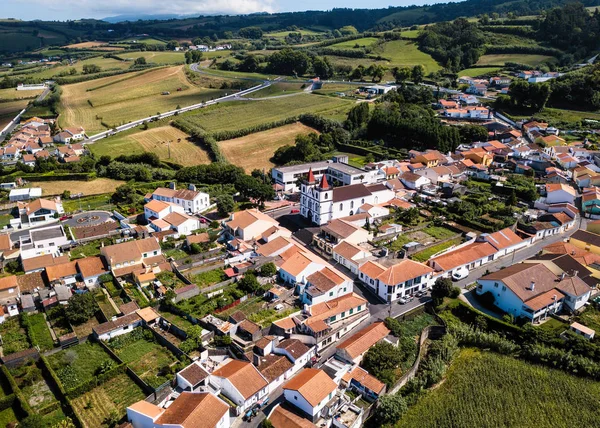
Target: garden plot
{"points": [[35, 387], [14, 336]]}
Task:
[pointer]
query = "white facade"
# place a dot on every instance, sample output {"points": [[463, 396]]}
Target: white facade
{"points": [[295, 398], [25, 194], [43, 241], [231, 392], [190, 200], [353, 263], [559, 197], [311, 296]]}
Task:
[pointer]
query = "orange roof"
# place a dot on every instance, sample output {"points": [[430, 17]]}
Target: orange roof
{"points": [[503, 239], [91, 266], [325, 310], [403, 271], [274, 246], [194, 410], [296, 264], [372, 269], [285, 323], [148, 314], [62, 270], [146, 408], [280, 417], [360, 342], [363, 377], [8, 282], [347, 250], [156, 205], [245, 218], [313, 384], [553, 187], [464, 255], [243, 376]]}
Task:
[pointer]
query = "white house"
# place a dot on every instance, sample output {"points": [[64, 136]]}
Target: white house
{"points": [[42, 241], [505, 241], [191, 200], [249, 224], [192, 378], [356, 346], [349, 255], [470, 256], [90, 269], [241, 382], [182, 223], [69, 135], [557, 193], [401, 279], [324, 285], [532, 291], [39, 211], [25, 194], [414, 181], [187, 410], [296, 268], [309, 391], [156, 209], [117, 327]]}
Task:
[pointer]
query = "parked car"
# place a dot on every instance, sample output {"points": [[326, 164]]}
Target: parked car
{"points": [[403, 300], [459, 274], [66, 217], [420, 293], [295, 211], [278, 307]]}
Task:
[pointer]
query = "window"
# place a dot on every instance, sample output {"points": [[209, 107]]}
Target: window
{"points": [[504, 288], [343, 315], [325, 195], [351, 204], [332, 319], [495, 285], [156, 253], [341, 207], [359, 308], [362, 201], [331, 293], [351, 311]]}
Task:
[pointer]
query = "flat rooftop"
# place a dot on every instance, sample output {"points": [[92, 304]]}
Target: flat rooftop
{"points": [[49, 233], [304, 167], [345, 168]]}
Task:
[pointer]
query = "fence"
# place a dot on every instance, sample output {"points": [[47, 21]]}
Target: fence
{"points": [[434, 330]]}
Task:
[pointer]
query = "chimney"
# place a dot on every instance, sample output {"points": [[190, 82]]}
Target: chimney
{"points": [[563, 276], [575, 272], [532, 286], [172, 185]]}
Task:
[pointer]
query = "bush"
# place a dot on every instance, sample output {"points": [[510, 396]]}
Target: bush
{"points": [[454, 292]]}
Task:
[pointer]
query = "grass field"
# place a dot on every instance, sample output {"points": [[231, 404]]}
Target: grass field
{"points": [[146, 40], [487, 390], [410, 34], [34, 385], [475, 72], [351, 44], [278, 89], [97, 186], [14, 337], [9, 110], [235, 115], [208, 278], [11, 94], [156, 57], [85, 45], [423, 256], [563, 118], [78, 364], [40, 332], [115, 395], [404, 53], [154, 140], [501, 59], [8, 416], [283, 34], [47, 72], [255, 150], [121, 99]]}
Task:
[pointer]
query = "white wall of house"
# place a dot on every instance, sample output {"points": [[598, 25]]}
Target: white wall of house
{"points": [[408, 287], [301, 277], [339, 290], [231, 392], [576, 302], [559, 197], [139, 420], [120, 331], [296, 399], [188, 226]]}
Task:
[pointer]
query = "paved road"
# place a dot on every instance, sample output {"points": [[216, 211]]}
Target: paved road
{"points": [[88, 218]]}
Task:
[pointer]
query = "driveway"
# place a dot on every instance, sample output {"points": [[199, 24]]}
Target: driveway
{"points": [[89, 218]]}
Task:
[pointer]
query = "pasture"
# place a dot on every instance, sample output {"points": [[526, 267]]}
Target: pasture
{"points": [[487, 390], [283, 34], [238, 115], [54, 70], [278, 89], [475, 72], [501, 59], [94, 187], [114, 395], [165, 57], [155, 140], [357, 43], [11, 94], [410, 34], [255, 150], [105, 103], [404, 53]]}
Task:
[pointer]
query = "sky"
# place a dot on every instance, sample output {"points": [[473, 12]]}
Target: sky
{"points": [[76, 9]]}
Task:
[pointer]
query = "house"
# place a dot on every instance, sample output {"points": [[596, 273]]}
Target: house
{"points": [[324, 285], [240, 382], [336, 231], [201, 410], [403, 278], [355, 347], [349, 255], [155, 209], [181, 223], [249, 224], [532, 291], [282, 417], [25, 194], [505, 241], [590, 201], [39, 263], [414, 181], [469, 256], [359, 380], [446, 104], [310, 391], [191, 200], [42, 241], [586, 240], [127, 256], [64, 273], [39, 211], [70, 134], [9, 290], [560, 264], [560, 193], [500, 81], [428, 158], [192, 378], [582, 330], [117, 327], [90, 269], [298, 266]]}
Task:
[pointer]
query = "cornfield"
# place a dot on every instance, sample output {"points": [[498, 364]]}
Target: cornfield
{"points": [[484, 389]]}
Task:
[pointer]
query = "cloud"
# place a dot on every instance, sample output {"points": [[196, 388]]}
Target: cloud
{"points": [[70, 9]]}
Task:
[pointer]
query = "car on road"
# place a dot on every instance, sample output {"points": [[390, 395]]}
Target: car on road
{"points": [[460, 273], [295, 211], [420, 293], [65, 217], [403, 300]]}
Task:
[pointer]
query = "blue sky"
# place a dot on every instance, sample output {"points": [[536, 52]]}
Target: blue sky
{"points": [[74, 9]]}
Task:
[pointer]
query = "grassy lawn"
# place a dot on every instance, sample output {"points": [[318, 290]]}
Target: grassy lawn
{"points": [[208, 278], [501, 59], [135, 294], [89, 249], [39, 331], [554, 326], [278, 89], [11, 94], [254, 151], [120, 99], [251, 306], [352, 44], [502, 388], [176, 253], [404, 53], [105, 305], [411, 34], [165, 141], [96, 202], [8, 416], [236, 115], [115, 395], [34, 386], [423, 256], [475, 72], [78, 364], [177, 320], [439, 232], [14, 336], [145, 357], [590, 318], [97, 186], [265, 317]]}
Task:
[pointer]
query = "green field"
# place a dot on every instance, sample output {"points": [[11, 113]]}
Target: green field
{"points": [[115, 395], [39, 331], [235, 115], [120, 99], [475, 72], [50, 71], [487, 390], [146, 40], [78, 364], [283, 34], [410, 34], [33, 384], [404, 53], [208, 278], [278, 89], [14, 336], [563, 118], [423, 256], [164, 57], [501, 59], [351, 44]]}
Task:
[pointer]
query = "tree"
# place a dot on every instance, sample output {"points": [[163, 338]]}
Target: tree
{"points": [[124, 194], [357, 116], [172, 44], [250, 64], [381, 358], [32, 421], [417, 73], [249, 283], [401, 74], [250, 33], [193, 56], [81, 308], [512, 199], [442, 287], [322, 67], [66, 194], [266, 424], [268, 269], [390, 409], [91, 68], [140, 61]]}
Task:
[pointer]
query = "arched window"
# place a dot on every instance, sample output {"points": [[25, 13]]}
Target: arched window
{"points": [[325, 195], [351, 204], [341, 207]]}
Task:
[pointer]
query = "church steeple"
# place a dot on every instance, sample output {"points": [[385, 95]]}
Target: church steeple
{"points": [[311, 177], [324, 185]]}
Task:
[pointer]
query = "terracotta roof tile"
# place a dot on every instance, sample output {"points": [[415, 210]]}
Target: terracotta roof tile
{"points": [[194, 410], [313, 384], [243, 376], [360, 342]]}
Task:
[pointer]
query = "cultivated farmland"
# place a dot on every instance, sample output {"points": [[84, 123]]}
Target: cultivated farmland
{"points": [[487, 390], [237, 115], [120, 99], [183, 151], [255, 150], [11, 94], [93, 187], [114, 395], [165, 57], [9, 110], [350, 44]]}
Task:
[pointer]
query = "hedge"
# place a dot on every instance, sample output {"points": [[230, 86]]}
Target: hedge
{"points": [[74, 176], [516, 49], [467, 314], [17, 391], [64, 399], [7, 401]]}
